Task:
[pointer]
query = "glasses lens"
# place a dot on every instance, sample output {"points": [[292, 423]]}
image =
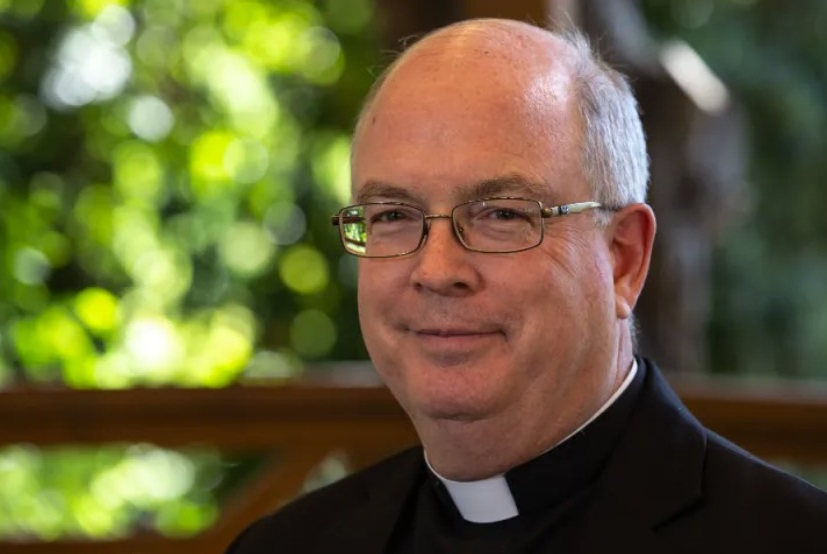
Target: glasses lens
{"points": [[381, 230], [499, 225], [353, 230]]}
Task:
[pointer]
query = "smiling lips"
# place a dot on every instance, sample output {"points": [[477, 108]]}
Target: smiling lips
{"points": [[454, 337], [454, 341], [450, 333]]}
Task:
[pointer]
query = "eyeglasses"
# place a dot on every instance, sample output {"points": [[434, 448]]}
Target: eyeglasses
{"points": [[489, 225]]}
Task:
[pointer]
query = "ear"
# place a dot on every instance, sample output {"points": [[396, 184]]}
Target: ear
{"points": [[631, 233]]}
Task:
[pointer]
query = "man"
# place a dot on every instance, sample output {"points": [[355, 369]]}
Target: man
{"points": [[499, 178]]}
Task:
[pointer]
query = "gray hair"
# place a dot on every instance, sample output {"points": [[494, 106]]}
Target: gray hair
{"points": [[614, 158]]}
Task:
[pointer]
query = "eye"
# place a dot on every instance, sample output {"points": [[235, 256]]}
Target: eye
{"points": [[505, 214], [388, 216], [393, 214], [500, 213]]}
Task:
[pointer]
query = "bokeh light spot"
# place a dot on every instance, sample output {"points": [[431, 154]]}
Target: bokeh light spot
{"points": [[266, 364], [155, 45], [349, 17], [185, 517], [207, 162], [92, 8], [93, 212], [32, 114], [304, 270], [246, 249], [114, 24], [87, 68], [322, 54], [220, 347], [98, 309], [31, 266], [154, 346], [312, 334], [137, 170], [285, 223], [246, 160], [150, 118], [165, 271], [331, 166], [62, 335]]}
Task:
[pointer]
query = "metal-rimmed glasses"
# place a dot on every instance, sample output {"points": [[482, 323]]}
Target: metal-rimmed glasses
{"points": [[491, 225]]}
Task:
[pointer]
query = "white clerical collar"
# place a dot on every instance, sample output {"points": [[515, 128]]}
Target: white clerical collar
{"points": [[490, 500]]}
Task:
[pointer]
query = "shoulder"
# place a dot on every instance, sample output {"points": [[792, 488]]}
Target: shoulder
{"points": [[315, 513], [721, 497], [730, 469], [750, 505]]}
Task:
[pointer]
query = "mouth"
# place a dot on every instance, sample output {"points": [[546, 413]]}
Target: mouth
{"points": [[454, 344], [447, 333], [453, 338]]}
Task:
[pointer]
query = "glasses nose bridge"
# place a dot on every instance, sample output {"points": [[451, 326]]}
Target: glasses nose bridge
{"points": [[427, 227], [426, 217]]}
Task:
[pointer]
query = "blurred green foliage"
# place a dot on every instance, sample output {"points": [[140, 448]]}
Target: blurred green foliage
{"points": [[770, 283], [167, 171], [106, 493]]}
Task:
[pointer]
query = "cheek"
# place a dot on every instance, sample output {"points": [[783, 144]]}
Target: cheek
{"points": [[380, 286], [368, 296], [379, 280], [569, 288], [579, 262]]}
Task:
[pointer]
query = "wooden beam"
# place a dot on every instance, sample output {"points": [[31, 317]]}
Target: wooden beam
{"points": [[232, 418], [773, 420], [279, 482], [781, 420]]}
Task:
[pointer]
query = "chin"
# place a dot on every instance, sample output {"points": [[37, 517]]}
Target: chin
{"points": [[461, 391], [443, 405]]}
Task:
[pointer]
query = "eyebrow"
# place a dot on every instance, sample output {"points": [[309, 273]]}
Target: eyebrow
{"points": [[372, 190], [505, 185]]}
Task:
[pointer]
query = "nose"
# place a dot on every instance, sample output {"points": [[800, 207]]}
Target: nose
{"points": [[442, 265]]}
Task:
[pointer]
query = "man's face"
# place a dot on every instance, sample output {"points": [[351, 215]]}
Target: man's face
{"points": [[466, 336]]}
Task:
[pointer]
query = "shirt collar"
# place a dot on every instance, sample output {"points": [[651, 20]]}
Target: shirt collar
{"points": [[491, 500]]}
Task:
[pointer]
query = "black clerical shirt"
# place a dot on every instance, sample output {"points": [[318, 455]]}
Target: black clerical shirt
{"points": [[546, 490]]}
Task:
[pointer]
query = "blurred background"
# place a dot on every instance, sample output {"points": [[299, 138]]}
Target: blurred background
{"points": [[168, 169]]}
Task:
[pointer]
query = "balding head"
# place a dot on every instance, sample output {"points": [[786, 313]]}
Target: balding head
{"points": [[505, 47], [549, 70], [520, 61]]}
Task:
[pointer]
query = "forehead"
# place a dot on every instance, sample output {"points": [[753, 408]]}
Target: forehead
{"points": [[512, 185], [446, 128]]}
